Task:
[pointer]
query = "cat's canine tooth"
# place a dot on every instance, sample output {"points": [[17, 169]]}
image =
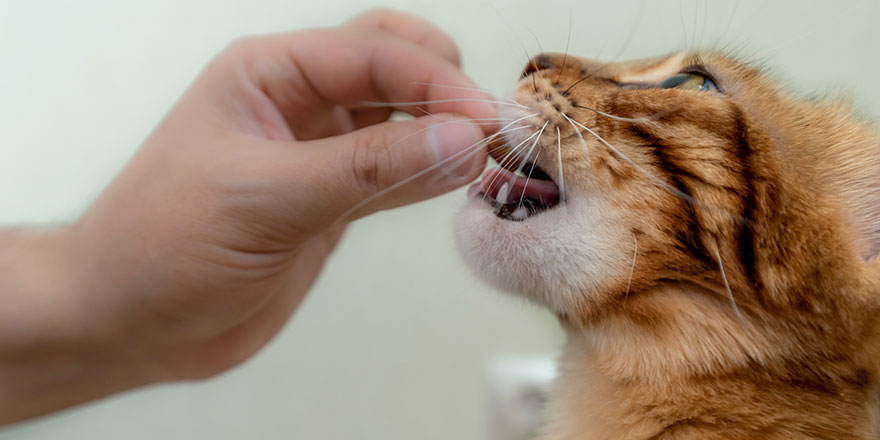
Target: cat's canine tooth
{"points": [[501, 197]]}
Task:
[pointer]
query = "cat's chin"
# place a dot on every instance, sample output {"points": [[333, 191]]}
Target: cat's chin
{"points": [[557, 258]]}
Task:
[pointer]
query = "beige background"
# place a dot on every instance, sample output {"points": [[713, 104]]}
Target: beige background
{"points": [[394, 340]]}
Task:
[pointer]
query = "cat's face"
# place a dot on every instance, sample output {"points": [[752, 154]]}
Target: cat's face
{"points": [[655, 174]]}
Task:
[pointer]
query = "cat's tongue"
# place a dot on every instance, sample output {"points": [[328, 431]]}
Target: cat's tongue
{"points": [[505, 187]]}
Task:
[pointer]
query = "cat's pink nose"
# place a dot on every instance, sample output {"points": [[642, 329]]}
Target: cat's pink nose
{"points": [[540, 62]]}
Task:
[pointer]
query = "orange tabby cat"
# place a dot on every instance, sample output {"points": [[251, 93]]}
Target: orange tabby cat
{"points": [[707, 240]]}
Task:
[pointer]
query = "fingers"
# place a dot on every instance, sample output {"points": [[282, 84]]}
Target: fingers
{"points": [[416, 30], [304, 73], [240, 342], [365, 117], [379, 167]]}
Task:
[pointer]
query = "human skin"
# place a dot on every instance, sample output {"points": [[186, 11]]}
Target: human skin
{"points": [[201, 249]]}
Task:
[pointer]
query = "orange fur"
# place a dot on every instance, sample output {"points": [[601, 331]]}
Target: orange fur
{"points": [[785, 191]]}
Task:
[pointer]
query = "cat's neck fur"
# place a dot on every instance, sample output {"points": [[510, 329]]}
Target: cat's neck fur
{"points": [[694, 374]]}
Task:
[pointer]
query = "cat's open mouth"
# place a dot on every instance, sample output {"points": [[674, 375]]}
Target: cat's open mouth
{"points": [[517, 194]]}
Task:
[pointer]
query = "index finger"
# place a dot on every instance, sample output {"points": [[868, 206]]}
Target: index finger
{"points": [[411, 28], [307, 71]]}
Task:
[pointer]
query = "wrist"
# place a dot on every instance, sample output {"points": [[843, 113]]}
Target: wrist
{"points": [[37, 288], [55, 351]]}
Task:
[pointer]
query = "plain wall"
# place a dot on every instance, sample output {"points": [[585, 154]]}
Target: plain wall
{"points": [[393, 341]]}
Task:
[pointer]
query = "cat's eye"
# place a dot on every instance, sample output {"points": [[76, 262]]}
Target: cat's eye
{"points": [[689, 81]]}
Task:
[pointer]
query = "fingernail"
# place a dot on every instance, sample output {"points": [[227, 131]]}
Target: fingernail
{"points": [[449, 142]]}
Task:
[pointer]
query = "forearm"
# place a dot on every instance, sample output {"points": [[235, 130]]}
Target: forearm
{"points": [[51, 355]]}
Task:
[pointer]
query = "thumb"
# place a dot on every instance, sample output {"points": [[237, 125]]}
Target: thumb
{"points": [[390, 165]]}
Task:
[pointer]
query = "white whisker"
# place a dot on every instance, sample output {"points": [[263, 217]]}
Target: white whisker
{"points": [[525, 160], [463, 159], [520, 211], [528, 179], [657, 180], [503, 160], [632, 269], [567, 44], [579, 135], [513, 150], [519, 119], [559, 160], [438, 101], [502, 129], [449, 86], [653, 178], [727, 286], [509, 155], [427, 113], [475, 146], [454, 121], [810, 31], [515, 35], [483, 122], [621, 118], [532, 148]]}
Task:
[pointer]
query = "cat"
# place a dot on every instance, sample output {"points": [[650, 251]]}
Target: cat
{"points": [[707, 240]]}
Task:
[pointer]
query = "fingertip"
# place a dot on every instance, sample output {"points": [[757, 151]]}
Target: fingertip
{"points": [[488, 112], [457, 149], [479, 105]]}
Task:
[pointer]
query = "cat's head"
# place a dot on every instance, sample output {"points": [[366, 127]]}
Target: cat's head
{"points": [[687, 173]]}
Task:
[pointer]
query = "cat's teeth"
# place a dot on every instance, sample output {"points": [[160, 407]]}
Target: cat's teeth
{"points": [[501, 197], [520, 213]]}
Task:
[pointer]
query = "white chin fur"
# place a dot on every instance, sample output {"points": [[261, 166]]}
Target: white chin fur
{"points": [[556, 258]]}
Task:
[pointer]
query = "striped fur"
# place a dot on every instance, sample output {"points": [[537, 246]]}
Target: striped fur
{"points": [[784, 191]]}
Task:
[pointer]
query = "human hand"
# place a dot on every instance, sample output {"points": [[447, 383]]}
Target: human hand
{"points": [[201, 249]]}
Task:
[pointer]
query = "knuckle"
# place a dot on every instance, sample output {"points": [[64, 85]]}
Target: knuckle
{"points": [[242, 45], [371, 163], [449, 51], [244, 49], [252, 51], [378, 14]]}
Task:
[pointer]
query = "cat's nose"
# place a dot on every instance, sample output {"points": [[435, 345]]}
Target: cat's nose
{"points": [[538, 63]]}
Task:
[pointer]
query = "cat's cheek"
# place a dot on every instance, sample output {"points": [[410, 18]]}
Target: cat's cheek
{"points": [[559, 259]]}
